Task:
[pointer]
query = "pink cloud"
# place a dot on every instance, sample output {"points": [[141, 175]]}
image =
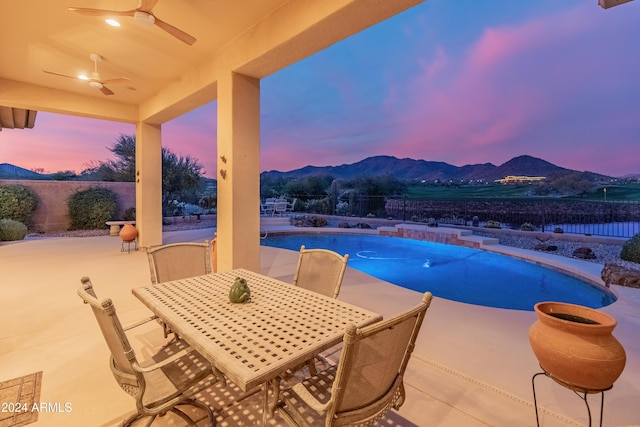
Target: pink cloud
{"points": [[498, 96], [59, 143]]}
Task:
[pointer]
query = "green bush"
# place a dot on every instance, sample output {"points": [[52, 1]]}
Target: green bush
{"points": [[527, 226], [558, 230], [90, 209], [475, 221], [129, 214], [492, 224], [17, 203], [11, 229], [631, 249]]}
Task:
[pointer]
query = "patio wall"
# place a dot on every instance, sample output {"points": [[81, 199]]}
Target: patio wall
{"points": [[52, 212]]}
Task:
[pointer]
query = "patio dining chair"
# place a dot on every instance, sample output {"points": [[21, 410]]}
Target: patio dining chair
{"points": [[169, 378], [366, 383], [178, 261], [320, 270], [280, 207]]}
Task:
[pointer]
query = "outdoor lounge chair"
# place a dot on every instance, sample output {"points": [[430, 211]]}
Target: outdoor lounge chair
{"points": [[179, 261], [320, 270], [367, 382], [167, 379]]}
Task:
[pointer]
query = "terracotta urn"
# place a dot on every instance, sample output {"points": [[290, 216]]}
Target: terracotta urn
{"points": [[128, 233], [575, 346]]}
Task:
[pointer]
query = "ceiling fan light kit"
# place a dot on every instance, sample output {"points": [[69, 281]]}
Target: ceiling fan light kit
{"points": [[144, 18]]}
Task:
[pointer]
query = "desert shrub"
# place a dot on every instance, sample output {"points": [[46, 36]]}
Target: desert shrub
{"points": [[558, 230], [129, 214], [631, 249], [492, 224], [90, 209], [17, 203], [527, 226], [342, 208], [11, 229], [208, 202]]}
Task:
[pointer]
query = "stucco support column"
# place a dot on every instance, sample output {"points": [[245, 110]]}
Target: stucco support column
{"points": [[238, 172], [149, 184]]}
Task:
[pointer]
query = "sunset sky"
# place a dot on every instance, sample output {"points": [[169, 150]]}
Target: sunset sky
{"points": [[461, 82]]}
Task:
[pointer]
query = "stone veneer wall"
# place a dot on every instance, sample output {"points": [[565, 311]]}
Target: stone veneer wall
{"points": [[445, 235], [52, 213]]}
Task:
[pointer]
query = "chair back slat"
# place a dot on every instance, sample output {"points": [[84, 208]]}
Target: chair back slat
{"points": [[179, 261]]}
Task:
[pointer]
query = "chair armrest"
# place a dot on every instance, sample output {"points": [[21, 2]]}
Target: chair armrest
{"points": [[139, 323], [309, 398]]}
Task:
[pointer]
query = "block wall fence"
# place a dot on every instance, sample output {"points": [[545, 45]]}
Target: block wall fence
{"points": [[52, 213]]}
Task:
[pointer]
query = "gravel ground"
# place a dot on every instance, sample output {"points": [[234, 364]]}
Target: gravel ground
{"points": [[604, 252]]}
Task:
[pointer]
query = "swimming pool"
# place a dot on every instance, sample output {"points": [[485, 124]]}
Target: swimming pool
{"points": [[453, 272]]}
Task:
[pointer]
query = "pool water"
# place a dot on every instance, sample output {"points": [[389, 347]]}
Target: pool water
{"points": [[453, 272]]}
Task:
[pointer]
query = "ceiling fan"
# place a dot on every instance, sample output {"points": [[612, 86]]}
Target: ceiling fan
{"points": [[143, 15], [94, 80]]}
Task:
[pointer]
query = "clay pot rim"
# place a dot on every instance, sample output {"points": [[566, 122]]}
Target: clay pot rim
{"points": [[604, 320]]}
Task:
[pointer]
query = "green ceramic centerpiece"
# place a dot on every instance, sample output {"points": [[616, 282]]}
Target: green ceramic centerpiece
{"points": [[239, 292]]}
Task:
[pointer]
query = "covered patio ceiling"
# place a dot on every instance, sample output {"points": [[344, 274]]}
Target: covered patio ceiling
{"points": [[188, 54], [166, 76]]}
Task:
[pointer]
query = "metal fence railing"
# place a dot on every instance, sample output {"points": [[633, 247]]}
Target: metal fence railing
{"points": [[601, 218]]}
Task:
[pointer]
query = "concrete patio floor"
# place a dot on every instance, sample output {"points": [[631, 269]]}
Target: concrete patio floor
{"points": [[472, 365]]}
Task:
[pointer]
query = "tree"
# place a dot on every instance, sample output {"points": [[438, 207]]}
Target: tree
{"points": [[309, 187], [380, 185], [63, 176], [125, 165], [181, 175]]}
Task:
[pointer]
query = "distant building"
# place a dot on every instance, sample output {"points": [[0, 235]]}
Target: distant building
{"points": [[519, 179]]}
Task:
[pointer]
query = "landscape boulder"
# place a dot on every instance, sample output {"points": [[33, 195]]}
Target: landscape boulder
{"points": [[615, 274], [584, 253], [545, 248]]}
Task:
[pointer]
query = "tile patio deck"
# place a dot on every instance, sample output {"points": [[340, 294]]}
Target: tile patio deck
{"points": [[472, 365]]}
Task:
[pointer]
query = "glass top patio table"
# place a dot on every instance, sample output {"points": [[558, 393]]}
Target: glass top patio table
{"points": [[253, 343]]}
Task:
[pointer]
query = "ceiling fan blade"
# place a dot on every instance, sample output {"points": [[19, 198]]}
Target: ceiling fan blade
{"points": [[61, 75], [175, 32], [115, 80], [147, 5], [101, 12], [106, 90]]}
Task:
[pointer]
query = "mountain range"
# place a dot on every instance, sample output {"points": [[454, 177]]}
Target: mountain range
{"points": [[9, 171], [411, 169], [403, 169]]}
